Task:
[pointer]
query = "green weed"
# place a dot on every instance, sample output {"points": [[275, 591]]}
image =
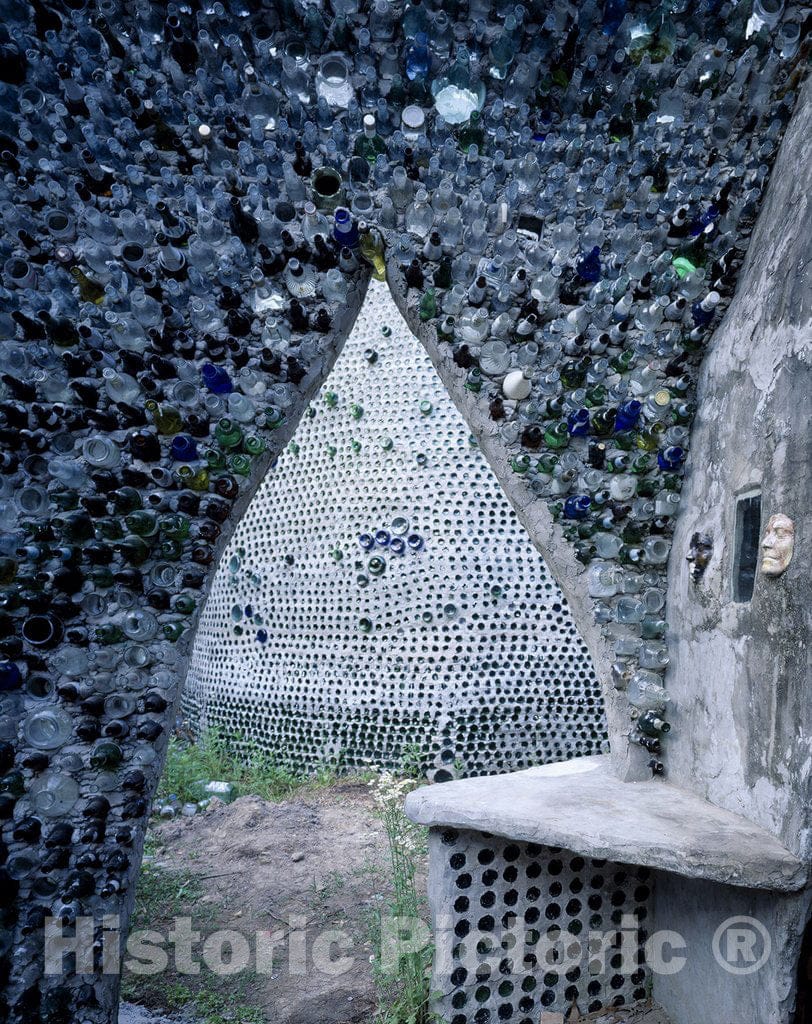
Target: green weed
{"points": [[251, 770], [161, 895], [404, 989]]}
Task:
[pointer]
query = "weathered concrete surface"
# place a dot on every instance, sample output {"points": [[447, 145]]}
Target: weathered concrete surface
{"points": [[698, 911], [582, 806], [556, 943], [740, 672]]}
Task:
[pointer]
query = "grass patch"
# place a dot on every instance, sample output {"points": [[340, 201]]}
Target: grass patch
{"points": [[250, 769], [218, 1008], [161, 895]]}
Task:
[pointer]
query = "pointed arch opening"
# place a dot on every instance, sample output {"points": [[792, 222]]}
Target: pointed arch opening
{"points": [[380, 601]]}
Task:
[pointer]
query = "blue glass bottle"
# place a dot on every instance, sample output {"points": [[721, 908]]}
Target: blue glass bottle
{"points": [[10, 676], [418, 59], [702, 312], [671, 458], [627, 415], [216, 379], [578, 423], [577, 506], [588, 266], [345, 230], [183, 448], [613, 13]]}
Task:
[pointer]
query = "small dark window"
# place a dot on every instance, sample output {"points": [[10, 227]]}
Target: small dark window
{"points": [[748, 531], [529, 225]]}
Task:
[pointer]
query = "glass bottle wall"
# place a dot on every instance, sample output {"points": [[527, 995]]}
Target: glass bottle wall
{"points": [[379, 600]]}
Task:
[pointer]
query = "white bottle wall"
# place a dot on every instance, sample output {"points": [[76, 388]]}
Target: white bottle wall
{"points": [[461, 655]]}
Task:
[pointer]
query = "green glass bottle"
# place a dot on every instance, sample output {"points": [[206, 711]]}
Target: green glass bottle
{"points": [[184, 604], [428, 305], [472, 133], [595, 396], [603, 422], [175, 525], [370, 145], [173, 631], [171, 549], [228, 433], [648, 487], [109, 528], [127, 499], [166, 418], [623, 361], [61, 331], [195, 480], [254, 445], [444, 278], [546, 464], [553, 407], [13, 784], [215, 459], [273, 418], [77, 526], [649, 439], [683, 412], [633, 532], [371, 247], [89, 290], [574, 374], [134, 550], [102, 577], [584, 551], [65, 501], [650, 724], [142, 523], [557, 435], [106, 754], [630, 555], [240, 464], [625, 440], [108, 633], [445, 329]]}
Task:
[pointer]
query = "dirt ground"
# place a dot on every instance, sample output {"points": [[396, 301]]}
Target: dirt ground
{"points": [[310, 873]]}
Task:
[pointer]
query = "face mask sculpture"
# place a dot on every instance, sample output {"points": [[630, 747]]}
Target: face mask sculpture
{"points": [[699, 554], [777, 545]]}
